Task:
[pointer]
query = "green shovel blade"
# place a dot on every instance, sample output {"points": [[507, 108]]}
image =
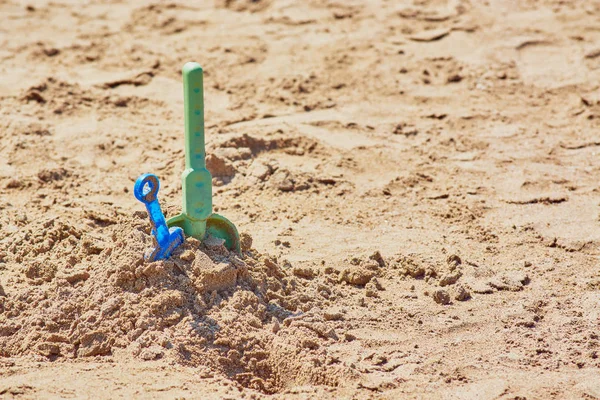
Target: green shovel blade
{"points": [[197, 219], [221, 227]]}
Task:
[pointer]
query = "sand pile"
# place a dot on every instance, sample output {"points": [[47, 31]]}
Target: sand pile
{"points": [[74, 295]]}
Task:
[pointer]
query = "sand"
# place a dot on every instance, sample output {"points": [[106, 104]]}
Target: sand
{"points": [[415, 183]]}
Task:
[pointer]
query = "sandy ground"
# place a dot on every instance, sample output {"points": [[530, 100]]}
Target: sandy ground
{"points": [[418, 177]]}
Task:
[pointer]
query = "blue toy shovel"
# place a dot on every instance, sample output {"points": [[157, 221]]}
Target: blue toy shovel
{"points": [[167, 239]]}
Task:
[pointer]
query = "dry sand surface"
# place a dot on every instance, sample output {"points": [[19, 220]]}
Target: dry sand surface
{"points": [[416, 181]]}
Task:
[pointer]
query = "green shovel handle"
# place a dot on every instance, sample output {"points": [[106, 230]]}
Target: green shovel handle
{"points": [[193, 97], [197, 181]]}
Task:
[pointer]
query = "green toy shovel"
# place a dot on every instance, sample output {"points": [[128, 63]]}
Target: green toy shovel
{"points": [[197, 218]]}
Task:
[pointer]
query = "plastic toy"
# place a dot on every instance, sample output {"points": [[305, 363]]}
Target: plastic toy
{"points": [[167, 239], [197, 218]]}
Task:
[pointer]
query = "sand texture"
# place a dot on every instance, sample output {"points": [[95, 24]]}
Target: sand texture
{"points": [[416, 183]]}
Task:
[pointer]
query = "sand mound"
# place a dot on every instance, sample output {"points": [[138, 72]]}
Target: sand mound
{"points": [[81, 296]]}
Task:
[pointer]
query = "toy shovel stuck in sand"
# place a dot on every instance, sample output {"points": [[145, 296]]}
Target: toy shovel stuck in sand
{"points": [[166, 239], [197, 218]]}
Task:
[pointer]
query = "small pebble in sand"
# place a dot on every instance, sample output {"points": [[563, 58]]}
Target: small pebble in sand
{"points": [[245, 241], [450, 279], [348, 337], [187, 255], [461, 293], [304, 272], [356, 275], [372, 288], [441, 297], [453, 261], [333, 315]]}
